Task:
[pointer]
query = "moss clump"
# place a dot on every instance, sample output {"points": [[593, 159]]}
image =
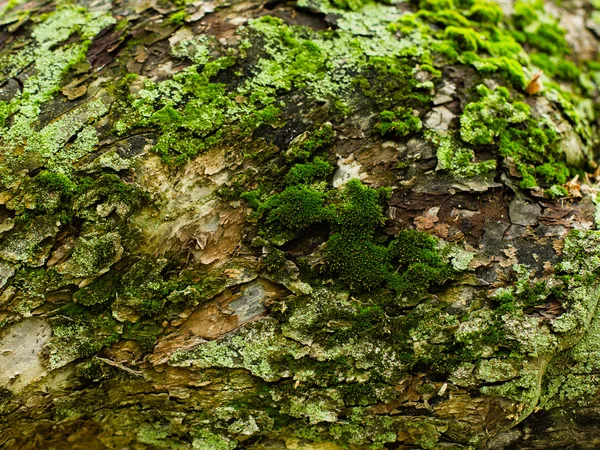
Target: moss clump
{"points": [[464, 39], [556, 191], [403, 93], [486, 119], [419, 263], [485, 12], [556, 67], [273, 260], [553, 172], [537, 29], [531, 147], [400, 122], [523, 139], [57, 182], [351, 252], [291, 211], [360, 263], [308, 173], [306, 144], [455, 158], [177, 18]]}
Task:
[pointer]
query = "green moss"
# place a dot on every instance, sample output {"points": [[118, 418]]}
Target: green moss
{"points": [[556, 67], [401, 122], [525, 389], [140, 287], [486, 119], [273, 260], [426, 433], [419, 263], [177, 18], [477, 42], [207, 440], [537, 29], [93, 255], [526, 141], [456, 159], [305, 145], [49, 63], [350, 252], [291, 211], [79, 333], [363, 429], [57, 182], [486, 12], [529, 147], [360, 264], [308, 173], [395, 77], [95, 370], [556, 191], [158, 436], [465, 39], [553, 172], [110, 190], [100, 291]]}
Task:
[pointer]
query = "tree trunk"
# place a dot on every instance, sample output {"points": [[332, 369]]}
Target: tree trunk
{"points": [[299, 225]]}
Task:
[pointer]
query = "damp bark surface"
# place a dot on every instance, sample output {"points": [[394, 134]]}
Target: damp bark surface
{"points": [[312, 224]]}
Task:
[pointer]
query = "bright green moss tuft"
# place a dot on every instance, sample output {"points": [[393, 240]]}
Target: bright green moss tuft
{"points": [[526, 141], [486, 12], [530, 146], [557, 191], [351, 252], [291, 211], [400, 122], [57, 182], [308, 173], [360, 212], [465, 39], [456, 159], [273, 260], [177, 18], [486, 119], [553, 173], [295, 208]]}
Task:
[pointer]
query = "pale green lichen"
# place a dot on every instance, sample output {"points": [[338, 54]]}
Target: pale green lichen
{"points": [[194, 48], [50, 63], [93, 256], [259, 348], [206, 440]]}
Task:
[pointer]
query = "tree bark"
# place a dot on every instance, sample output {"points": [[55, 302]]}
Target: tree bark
{"points": [[301, 225]]}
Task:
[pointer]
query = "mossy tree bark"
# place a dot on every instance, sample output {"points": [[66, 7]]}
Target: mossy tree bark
{"points": [[315, 224]]}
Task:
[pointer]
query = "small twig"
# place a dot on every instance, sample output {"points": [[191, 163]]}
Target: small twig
{"points": [[137, 373]]}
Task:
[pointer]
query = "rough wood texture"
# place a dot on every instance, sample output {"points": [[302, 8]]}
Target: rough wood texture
{"points": [[299, 225]]}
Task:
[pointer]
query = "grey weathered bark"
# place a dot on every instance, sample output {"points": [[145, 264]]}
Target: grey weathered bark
{"points": [[313, 224]]}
